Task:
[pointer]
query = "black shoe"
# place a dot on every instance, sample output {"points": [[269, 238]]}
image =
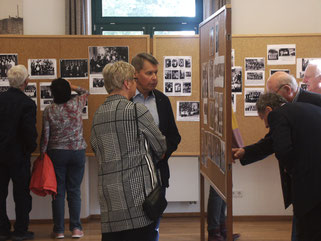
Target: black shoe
{"points": [[28, 235], [4, 237]]}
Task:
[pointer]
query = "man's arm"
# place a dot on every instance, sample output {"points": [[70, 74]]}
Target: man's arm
{"points": [[28, 127]]}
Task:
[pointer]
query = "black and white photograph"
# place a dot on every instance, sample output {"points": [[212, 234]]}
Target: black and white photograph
{"points": [[303, 86], [254, 72], [219, 71], [11, 17], [211, 42], [97, 86], [283, 54], [251, 95], [31, 91], [99, 56], [301, 64], [187, 88], [42, 68], [204, 80], [46, 97], [205, 111], [216, 111], [211, 114], [233, 58], [272, 71], [74, 68], [220, 113], [188, 111], [168, 87], [178, 87], [210, 79], [217, 37], [177, 69], [6, 62], [237, 80], [4, 86]]}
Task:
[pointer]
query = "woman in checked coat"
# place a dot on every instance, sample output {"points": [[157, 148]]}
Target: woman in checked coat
{"points": [[126, 173]]}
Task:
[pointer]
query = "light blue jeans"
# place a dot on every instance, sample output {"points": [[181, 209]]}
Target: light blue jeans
{"points": [[69, 168]]}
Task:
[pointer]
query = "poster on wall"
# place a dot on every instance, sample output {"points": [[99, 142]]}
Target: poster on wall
{"points": [[99, 56], [301, 65], [6, 62], [74, 68], [237, 80], [31, 91], [46, 97], [251, 95], [11, 17], [42, 68], [188, 111], [282, 54], [97, 85], [178, 75], [254, 72]]}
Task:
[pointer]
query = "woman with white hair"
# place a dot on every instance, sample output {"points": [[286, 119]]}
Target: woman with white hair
{"points": [[119, 130], [18, 139]]}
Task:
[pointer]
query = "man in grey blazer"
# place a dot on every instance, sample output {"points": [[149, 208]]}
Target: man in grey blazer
{"points": [[158, 104]]}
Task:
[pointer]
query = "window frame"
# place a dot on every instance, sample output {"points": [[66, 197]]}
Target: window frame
{"points": [[146, 24]]}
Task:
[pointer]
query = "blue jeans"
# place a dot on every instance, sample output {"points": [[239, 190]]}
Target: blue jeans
{"points": [[215, 210], [69, 168]]}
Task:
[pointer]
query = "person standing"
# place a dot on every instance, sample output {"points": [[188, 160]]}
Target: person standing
{"points": [[146, 68], [123, 138], [62, 138], [18, 139]]}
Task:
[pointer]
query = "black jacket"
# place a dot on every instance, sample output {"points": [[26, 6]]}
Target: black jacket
{"points": [[295, 132], [18, 133], [169, 129]]}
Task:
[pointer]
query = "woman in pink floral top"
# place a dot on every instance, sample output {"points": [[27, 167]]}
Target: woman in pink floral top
{"points": [[62, 138]]}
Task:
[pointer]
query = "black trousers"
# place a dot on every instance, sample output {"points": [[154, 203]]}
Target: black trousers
{"points": [[308, 227], [140, 234], [20, 176]]}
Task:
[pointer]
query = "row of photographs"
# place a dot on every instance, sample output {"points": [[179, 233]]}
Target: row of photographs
{"points": [[213, 149]]}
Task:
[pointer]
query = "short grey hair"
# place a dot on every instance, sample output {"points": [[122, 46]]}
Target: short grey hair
{"points": [[116, 73], [269, 99], [17, 75]]}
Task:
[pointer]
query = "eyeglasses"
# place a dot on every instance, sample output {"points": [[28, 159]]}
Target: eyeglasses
{"points": [[135, 79], [281, 86]]}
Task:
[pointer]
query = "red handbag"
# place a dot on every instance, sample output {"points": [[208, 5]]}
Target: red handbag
{"points": [[43, 180]]}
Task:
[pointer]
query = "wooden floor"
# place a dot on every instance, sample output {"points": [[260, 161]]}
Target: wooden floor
{"points": [[183, 229]]}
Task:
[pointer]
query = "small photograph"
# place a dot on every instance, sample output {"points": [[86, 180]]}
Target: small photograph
{"points": [[178, 87], [251, 95], [187, 88], [233, 58], [74, 68], [31, 90], [273, 54], [301, 65], [303, 86], [211, 41], [237, 79], [283, 54], [204, 80], [188, 110], [42, 68], [254, 64], [168, 74], [97, 85], [182, 74], [4, 86], [255, 78], [233, 99], [6, 62], [168, 63], [99, 56], [188, 62], [174, 63], [188, 74], [211, 114], [175, 74], [255, 75], [205, 111], [168, 87], [287, 52], [216, 38], [272, 71], [181, 63], [46, 97]]}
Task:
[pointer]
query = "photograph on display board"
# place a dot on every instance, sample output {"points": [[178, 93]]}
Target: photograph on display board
{"points": [[97, 85], [223, 157], [211, 41], [205, 111], [46, 97], [217, 150], [219, 71], [254, 72], [301, 65], [233, 58], [220, 113], [11, 17], [303, 86], [6, 62], [272, 71], [283, 54], [31, 91], [251, 95], [216, 38], [233, 99], [211, 114], [237, 80], [74, 68], [4, 86], [42, 68], [188, 111], [99, 56], [216, 110], [211, 79], [204, 84]]}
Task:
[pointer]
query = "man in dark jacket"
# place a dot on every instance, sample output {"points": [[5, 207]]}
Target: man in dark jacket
{"points": [[158, 104], [18, 136], [295, 132]]}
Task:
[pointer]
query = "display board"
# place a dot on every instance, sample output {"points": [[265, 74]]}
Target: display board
{"points": [[255, 46], [215, 121], [185, 48], [68, 47]]}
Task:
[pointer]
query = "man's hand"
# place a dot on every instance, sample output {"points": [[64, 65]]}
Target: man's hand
{"points": [[237, 153]]}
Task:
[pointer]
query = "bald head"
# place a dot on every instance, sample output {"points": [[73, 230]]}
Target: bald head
{"points": [[282, 84], [312, 76]]}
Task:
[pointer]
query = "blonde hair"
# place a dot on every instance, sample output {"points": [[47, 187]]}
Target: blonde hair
{"points": [[116, 73], [17, 75]]}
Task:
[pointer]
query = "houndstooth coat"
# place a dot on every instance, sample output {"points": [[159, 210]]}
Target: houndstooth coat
{"points": [[123, 174]]}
